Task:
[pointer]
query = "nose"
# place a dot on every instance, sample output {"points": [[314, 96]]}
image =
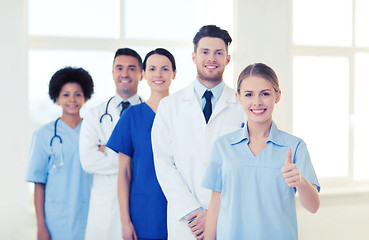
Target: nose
{"points": [[124, 72], [158, 73], [211, 57], [257, 101], [72, 98]]}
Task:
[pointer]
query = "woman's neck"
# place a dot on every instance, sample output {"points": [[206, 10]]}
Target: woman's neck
{"points": [[71, 120], [258, 135], [155, 98], [259, 130]]}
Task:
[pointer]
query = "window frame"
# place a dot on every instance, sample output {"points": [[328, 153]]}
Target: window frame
{"points": [[348, 182]]}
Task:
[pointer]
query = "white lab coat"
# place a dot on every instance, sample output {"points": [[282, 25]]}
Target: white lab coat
{"points": [[182, 142], [103, 220]]}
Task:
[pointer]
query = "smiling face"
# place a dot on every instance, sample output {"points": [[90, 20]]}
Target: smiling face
{"points": [[126, 75], [159, 73], [258, 97], [211, 58], [71, 99]]}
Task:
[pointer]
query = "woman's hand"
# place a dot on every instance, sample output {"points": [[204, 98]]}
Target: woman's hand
{"points": [[290, 172], [43, 233], [128, 231], [308, 192]]}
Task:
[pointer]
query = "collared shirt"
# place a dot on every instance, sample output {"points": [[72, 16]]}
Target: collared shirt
{"points": [[116, 101], [255, 201], [200, 90]]}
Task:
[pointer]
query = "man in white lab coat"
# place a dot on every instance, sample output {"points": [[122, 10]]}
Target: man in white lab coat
{"points": [[103, 217], [185, 127]]}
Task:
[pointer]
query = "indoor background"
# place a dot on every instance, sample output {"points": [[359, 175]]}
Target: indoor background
{"points": [[319, 49]]}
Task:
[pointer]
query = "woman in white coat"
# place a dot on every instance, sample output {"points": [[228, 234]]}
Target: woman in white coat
{"points": [[103, 217]]}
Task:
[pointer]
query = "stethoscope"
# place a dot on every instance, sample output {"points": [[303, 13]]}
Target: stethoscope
{"points": [[107, 113], [56, 136]]}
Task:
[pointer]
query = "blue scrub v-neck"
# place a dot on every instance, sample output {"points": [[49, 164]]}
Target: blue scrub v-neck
{"points": [[148, 205]]}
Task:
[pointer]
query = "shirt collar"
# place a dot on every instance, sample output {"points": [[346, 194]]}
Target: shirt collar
{"points": [[200, 89], [275, 135], [135, 99], [243, 135]]}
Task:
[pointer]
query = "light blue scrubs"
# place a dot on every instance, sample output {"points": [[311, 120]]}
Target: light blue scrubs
{"points": [[255, 201], [67, 188]]}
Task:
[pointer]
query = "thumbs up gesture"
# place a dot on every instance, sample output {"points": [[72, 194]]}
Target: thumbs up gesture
{"points": [[290, 172]]}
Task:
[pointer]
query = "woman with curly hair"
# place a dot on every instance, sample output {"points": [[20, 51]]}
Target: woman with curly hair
{"points": [[62, 189]]}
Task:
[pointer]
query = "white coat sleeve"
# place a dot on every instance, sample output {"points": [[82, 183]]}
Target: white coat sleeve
{"points": [[92, 160], [180, 199]]}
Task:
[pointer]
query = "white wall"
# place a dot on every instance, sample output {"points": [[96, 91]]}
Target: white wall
{"points": [[14, 140], [263, 33]]}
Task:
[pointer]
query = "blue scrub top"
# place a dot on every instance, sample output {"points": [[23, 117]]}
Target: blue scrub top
{"points": [[148, 205], [67, 188], [255, 201]]}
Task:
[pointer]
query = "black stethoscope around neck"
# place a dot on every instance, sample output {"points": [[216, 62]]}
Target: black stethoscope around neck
{"points": [[106, 110], [56, 136]]}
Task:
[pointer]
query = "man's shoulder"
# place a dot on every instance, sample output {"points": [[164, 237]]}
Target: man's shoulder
{"points": [[181, 94], [94, 113], [98, 108]]}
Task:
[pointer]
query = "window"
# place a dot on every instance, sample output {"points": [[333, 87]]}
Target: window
{"points": [[330, 83], [86, 33]]}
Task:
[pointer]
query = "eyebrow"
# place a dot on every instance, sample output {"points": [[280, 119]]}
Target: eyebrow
{"points": [[120, 65], [160, 66], [217, 50], [67, 91], [264, 90]]}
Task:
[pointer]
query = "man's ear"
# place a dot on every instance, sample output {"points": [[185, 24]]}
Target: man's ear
{"points": [[228, 59], [142, 75], [194, 59]]}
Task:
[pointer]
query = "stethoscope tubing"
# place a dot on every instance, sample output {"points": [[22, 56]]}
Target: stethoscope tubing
{"points": [[106, 110], [55, 135], [61, 163]]}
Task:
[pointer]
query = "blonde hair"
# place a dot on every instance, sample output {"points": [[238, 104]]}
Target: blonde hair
{"points": [[261, 70]]}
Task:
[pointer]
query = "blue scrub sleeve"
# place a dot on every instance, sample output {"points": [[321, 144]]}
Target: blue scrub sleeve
{"points": [[213, 175], [303, 163], [38, 159], [121, 138]]}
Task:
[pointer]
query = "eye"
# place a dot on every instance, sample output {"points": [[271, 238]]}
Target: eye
{"points": [[248, 95], [265, 94], [78, 94], [219, 53], [65, 95], [132, 69], [151, 69], [119, 68], [166, 69], [204, 52]]}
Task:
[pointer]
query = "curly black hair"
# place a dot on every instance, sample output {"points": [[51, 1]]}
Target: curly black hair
{"points": [[71, 75]]}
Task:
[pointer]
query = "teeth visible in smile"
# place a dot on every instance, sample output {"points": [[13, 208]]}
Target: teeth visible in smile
{"points": [[124, 81], [211, 67], [258, 111], [159, 82]]}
